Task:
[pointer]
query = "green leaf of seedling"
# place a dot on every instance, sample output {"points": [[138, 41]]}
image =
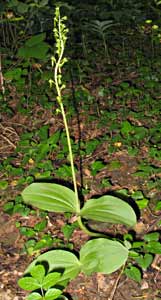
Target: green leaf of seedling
{"points": [[8, 207], [29, 246], [115, 164], [102, 255], [46, 241], [22, 8], [40, 245], [36, 51], [43, 133], [96, 167], [28, 283], [105, 183], [64, 171], [91, 146], [50, 197], [68, 229], [35, 40], [126, 128], [138, 245], [153, 236], [34, 296], [17, 171], [140, 174], [3, 184], [125, 85], [128, 237], [54, 139], [153, 247], [59, 259], [133, 273], [50, 280], [109, 209], [144, 261], [142, 203], [38, 272], [40, 226], [132, 151], [45, 165], [27, 231], [46, 175], [52, 294], [43, 150], [133, 254], [124, 192], [138, 195], [21, 209], [14, 74], [43, 3], [158, 206]]}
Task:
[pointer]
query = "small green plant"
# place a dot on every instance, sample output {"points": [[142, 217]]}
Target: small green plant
{"points": [[35, 47], [101, 28], [142, 254], [100, 254], [43, 283]]}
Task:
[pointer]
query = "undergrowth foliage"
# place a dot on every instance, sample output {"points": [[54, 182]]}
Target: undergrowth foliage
{"points": [[99, 254]]}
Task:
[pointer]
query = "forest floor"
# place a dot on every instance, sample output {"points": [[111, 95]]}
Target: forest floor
{"points": [[117, 173]]}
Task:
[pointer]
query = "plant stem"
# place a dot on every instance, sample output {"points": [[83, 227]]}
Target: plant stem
{"points": [[58, 85], [59, 98], [79, 220], [85, 229], [70, 156]]}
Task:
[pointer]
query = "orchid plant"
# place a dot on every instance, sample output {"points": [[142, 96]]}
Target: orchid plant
{"points": [[99, 254]]}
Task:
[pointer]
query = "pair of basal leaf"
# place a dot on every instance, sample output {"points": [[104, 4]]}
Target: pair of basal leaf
{"points": [[57, 198], [98, 255]]}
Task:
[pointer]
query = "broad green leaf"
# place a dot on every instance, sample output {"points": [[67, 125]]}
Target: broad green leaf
{"points": [[50, 280], [52, 294], [35, 40], [144, 261], [34, 296], [158, 206], [13, 3], [38, 272], [46, 241], [14, 74], [102, 255], [59, 260], [142, 203], [8, 207], [96, 167], [137, 245], [133, 273], [37, 51], [22, 8], [3, 184], [126, 128], [27, 231], [68, 229], [153, 247], [152, 236], [50, 197], [40, 226], [43, 2], [28, 283], [138, 195], [109, 209]]}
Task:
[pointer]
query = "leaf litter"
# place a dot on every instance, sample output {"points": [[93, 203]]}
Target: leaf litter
{"points": [[117, 173]]}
